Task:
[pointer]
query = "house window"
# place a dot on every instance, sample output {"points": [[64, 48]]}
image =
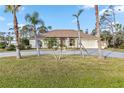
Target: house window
{"points": [[72, 42]]}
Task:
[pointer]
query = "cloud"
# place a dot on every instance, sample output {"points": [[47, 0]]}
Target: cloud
{"points": [[21, 25], [22, 8], [10, 24], [117, 8], [102, 11], [2, 18], [74, 21], [86, 7]]}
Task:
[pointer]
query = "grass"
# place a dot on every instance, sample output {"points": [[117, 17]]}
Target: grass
{"points": [[2, 50], [73, 71], [116, 49]]}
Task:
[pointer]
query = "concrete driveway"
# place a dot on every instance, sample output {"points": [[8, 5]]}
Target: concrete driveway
{"points": [[67, 52]]}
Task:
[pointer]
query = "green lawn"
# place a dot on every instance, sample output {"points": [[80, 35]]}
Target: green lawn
{"points": [[116, 49], [73, 71]]}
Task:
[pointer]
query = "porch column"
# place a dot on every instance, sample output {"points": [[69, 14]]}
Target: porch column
{"points": [[67, 42]]}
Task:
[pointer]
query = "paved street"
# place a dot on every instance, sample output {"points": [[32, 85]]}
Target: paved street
{"points": [[67, 52]]}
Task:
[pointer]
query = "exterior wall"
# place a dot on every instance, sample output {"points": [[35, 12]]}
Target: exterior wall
{"points": [[104, 45], [90, 43], [85, 43], [68, 43], [43, 44], [32, 43]]}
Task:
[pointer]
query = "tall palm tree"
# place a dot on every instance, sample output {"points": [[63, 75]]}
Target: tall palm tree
{"points": [[78, 27], [98, 30], [13, 9], [34, 20]]}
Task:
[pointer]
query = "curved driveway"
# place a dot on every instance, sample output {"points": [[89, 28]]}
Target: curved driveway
{"points": [[67, 52]]}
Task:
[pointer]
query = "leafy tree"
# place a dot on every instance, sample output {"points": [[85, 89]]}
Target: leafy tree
{"points": [[118, 27], [9, 37], [51, 43], [94, 32], [13, 9], [106, 36], [119, 39], [2, 36], [108, 21], [2, 45]]}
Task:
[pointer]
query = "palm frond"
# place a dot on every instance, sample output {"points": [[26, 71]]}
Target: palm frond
{"points": [[17, 7], [28, 17], [80, 11], [74, 15], [9, 8], [40, 22], [35, 15]]}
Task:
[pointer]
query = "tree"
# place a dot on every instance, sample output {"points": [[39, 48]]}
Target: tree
{"points": [[106, 36], [2, 36], [53, 44], [86, 32], [44, 29], [9, 38], [93, 32], [119, 39], [25, 31], [106, 22], [109, 19], [34, 20], [98, 30], [13, 9], [118, 27], [78, 27]]}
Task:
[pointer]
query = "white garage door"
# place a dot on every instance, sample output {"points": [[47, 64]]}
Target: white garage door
{"points": [[90, 43]]}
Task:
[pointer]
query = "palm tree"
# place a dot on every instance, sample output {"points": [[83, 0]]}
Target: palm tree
{"points": [[43, 28], [98, 30], [13, 9], [34, 20], [78, 27]]}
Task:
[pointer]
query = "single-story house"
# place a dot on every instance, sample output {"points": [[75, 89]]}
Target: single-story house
{"points": [[69, 38]]}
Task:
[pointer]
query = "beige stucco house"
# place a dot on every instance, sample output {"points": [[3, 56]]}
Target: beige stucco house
{"points": [[69, 38]]}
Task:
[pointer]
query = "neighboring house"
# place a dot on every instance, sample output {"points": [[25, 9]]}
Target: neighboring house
{"points": [[69, 38]]}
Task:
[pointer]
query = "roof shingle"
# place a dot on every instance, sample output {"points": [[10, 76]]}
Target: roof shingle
{"points": [[67, 33]]}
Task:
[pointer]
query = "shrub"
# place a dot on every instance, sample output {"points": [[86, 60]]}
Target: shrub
{"points": [[121, 46], [10, 48], [28, 47], [22, 47], [51, 42], [2, 45], [24, 41]]}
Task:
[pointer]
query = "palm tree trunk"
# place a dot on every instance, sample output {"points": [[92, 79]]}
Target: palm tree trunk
{"points": [[37, 45], [79, 35], [17, 36], [98, 31]]}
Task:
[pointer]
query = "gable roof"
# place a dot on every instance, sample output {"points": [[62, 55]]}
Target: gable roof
{"points": [[67, 33]]}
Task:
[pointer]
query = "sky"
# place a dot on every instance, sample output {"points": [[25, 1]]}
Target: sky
{"points": [[58, 16]]}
